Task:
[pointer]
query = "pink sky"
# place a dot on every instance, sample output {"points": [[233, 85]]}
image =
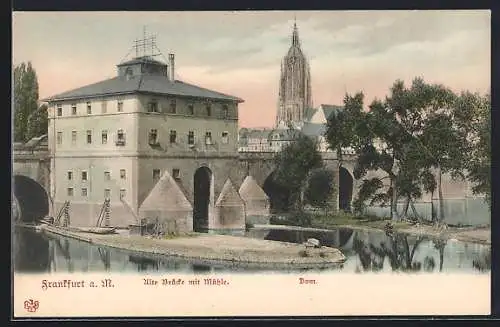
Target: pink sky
{"points": [[239, 53]]}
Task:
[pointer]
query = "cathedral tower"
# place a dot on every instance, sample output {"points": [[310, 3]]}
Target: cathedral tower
{"points": [[295, 85]]}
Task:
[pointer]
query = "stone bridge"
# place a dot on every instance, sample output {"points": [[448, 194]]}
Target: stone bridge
{"points": [[31, 185], [260, 166], [31, 179]]}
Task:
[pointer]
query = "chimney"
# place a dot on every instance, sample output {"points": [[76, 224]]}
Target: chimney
{"points": [[171, 66]]}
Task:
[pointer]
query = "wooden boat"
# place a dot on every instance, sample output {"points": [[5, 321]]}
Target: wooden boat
{"points": [[28, 225], [48, 220], [95, 230]]}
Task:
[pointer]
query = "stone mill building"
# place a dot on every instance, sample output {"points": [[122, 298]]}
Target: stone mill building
{"points": [[157, 147]]}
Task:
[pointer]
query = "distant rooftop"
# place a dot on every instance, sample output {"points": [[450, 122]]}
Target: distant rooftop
{"points": [[329, 109]]}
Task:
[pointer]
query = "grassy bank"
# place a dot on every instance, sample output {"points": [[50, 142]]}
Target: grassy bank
{"points": [[344, 219], [334, 221], [480, 235]]}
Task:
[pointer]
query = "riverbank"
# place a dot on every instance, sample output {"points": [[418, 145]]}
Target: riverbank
{"points": [[211, 247], [480, 235]]}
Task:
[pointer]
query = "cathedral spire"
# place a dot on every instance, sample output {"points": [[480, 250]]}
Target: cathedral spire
{"points": [[295, 35], [295, 85]]}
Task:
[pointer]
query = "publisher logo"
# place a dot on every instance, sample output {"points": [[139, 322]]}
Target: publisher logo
{"points": [[31, 305]]}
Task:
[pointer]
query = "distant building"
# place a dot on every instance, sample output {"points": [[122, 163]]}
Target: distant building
{"points": [[295, 110], [265, 139]]}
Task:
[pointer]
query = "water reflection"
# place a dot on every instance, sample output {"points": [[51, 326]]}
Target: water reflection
{"points": [[365, 252], [374, 251]]}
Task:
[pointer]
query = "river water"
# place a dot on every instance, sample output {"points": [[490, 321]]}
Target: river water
{"points": [[366, 252]]}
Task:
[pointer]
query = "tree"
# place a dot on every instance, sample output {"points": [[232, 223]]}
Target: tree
{"points": [[293, 166], [320, 188], [345, 127], [473, 120], [25, 102], [437, 138], [37, 124], [390, 138]]}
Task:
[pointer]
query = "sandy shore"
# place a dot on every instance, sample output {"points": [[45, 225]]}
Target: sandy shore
{"points": [[217, 248]]}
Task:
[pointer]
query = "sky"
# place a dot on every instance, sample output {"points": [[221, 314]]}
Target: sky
{"points": [[239, 53]]}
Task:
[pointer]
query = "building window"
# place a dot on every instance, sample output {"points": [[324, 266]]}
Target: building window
{"points": [[70, 175], [104, 106], [176, 174], [208, 109], [190, 109], [225, 111], [59, 137], [225, 137], [89, 137], [156, 174], [119, 106], [129, 73], [73, 137], [84, 191], [107, 175], [120, 137], [84, 175], [104, 137], [89, 108], [59, 110], [73, 109], [208, 138], [123, 193], [191, 138], [153, 137], [123, 174], [173, 106], [153, 106], [107, 193], [173, 136], [69, 191]]}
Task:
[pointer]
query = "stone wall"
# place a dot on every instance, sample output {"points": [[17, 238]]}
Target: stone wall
{"points": [[460, 206]]}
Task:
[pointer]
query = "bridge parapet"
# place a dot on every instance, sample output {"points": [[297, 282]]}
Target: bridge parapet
{"points": [[269, 155]]}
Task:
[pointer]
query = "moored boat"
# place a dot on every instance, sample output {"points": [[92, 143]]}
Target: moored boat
{"points": [[95, 230]]}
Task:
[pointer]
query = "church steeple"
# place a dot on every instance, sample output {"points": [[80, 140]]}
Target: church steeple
{"points": [[295, 35], [295, 85]]}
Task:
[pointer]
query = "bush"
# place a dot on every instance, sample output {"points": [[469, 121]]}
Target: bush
{"points": [[248, 226], [320, 188], [300, 219]]}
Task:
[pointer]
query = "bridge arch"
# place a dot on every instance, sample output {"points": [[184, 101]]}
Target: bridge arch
{"points": [[279, 196], [32, 199], [346, 185], [203, 186]]}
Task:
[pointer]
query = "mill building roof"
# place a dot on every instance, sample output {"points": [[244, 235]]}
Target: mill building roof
{"points": [[155, 84]]}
